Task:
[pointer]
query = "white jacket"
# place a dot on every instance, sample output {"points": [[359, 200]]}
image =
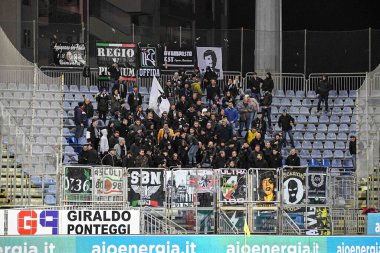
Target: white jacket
{"points": [[103, 142]]}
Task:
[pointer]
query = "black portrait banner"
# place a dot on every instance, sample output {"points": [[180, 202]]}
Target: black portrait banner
{"points": [[267, 185], [78, 180], [146, 187], [69, 54], [318, 221], [149, 65], [233, 186], [294, 186], [124, 54], [317, 188], [175, 58]]}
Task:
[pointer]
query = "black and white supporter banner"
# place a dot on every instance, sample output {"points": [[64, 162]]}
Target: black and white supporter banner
{"points": [[69, 54]]}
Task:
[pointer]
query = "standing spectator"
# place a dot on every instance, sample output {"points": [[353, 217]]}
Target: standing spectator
{"points": [[231, 87], [116, 102], [164, 130], [254, 85], [276, 159], [186, 91], [114, 139], [103, 99], [195, 85], [170, 92], [121, 87], [245, 109], [89, 110], [260, 162], [93, 134], [182, 105], [212, 90], [220, 160], [134, 99], [142, 160], [260, 125], [266, 103], [323, 89], [352, 148], [224, 131], [268, 84], [208, 76], [194, 147], [251, 135], [114, 71], [293, 159], [110, 158], [103, 146], [286, 122], [121, 149], [80, 120], [231, 114]]}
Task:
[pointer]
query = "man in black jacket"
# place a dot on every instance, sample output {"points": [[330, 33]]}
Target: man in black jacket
{"points": [[286, 122], [260, 162], [80, 120], [323, 89], [134, 99], [268, 83], [260, 125], [352, 148], [254, 84], [293, 159], [266, 103], [114, 71], [276, 159]]}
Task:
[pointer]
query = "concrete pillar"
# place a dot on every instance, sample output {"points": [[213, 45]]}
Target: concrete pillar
{"points": [[268, 27]]}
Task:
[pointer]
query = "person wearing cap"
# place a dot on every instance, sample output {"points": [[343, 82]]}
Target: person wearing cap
{"points": [[286, 123], [80, 120], [352, 149], [254, 85]]}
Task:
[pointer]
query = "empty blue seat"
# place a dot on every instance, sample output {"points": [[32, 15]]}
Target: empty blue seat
{"points": [[311, 94], [336, 111], [344, 128], [296, 102], [353, 94], [290, 94], [308, 136], [322, 128], [314, 111], [327, 154], [324, 119], [304, 111], [334, 119], [348, 163], [313, 162], [298, 136], [300, 127], [333, 94], [349, 102], [274, 110], [84, 89], [320, 137], [303, 162], [74, 88], [329, 145], [311, 128], [353, 128], [317, 145], [282, 108], [306, 145], [338, 102], [297, 144], [345, 119], [333, 128], [313, 119], [306, 102], [338, 154], [300, 94], [340, 145], [347, 111], [304, 154], [302, 119], [336, 163], [347, 154], [279, 93], [294, 110], [326, 162], [343, 94], [316, 154], [50, 200], [285, 102], [342, 137], [69, 97], [276, 102]]}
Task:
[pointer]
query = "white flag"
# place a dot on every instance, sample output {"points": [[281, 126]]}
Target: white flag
{"points": [[157, 100]]}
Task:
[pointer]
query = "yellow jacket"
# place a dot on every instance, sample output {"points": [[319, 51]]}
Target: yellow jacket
{"points": [[161, 134], [250, 136], [196, 87]]}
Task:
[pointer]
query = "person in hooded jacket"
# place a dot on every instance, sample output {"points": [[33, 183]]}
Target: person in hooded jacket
{"points": [[103, 99], [110, 158], [268, 84], [103, 145], [323, 89]]}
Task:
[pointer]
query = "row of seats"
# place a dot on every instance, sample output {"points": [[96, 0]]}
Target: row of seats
{"points": [[306, 111], [312, 94], [338, 102], [331, 128], [43, 96], [326, 154], [321, 136], [319, 145]]}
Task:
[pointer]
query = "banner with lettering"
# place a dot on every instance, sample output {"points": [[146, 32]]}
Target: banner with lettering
{"points": [[149, 65], [69, 54], [124, 54], [146, 187], [175, 58], [233, 186]]}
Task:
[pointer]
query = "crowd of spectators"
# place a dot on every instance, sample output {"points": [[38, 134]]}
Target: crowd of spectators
{"points": [[227, 130]]}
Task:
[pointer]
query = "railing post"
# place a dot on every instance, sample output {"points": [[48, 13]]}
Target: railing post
{"points": [[133, 32], [369, 49], [241, 50], [305, 53], [180, 36]]}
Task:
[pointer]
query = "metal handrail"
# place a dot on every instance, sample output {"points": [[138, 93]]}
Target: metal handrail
{"points": [[163, 222]]}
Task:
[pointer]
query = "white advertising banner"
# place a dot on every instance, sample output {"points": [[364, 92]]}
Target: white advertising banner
{"points": [[105, 222]]}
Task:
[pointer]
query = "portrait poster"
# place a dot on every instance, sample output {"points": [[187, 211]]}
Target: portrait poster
{"points": [[233, 186], [267, 185], [210, 57], [69, 54], [146, 187]]}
